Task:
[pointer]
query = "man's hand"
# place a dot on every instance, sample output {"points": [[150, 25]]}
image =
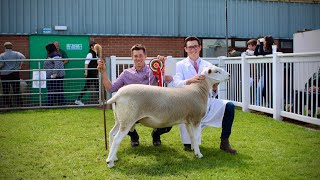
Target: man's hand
{"points": [[101, 66], [85, 74], [196, 78], [161, 58]]}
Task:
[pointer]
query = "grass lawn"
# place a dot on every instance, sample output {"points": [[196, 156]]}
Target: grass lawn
{"points": [[69, 143]]}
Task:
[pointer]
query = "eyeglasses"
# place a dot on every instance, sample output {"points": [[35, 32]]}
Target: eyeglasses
{"points": [[193, 47]]}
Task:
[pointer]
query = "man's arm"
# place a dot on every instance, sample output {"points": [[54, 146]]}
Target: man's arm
{"points": [[64, 55], [105, 80], [179, 79]]}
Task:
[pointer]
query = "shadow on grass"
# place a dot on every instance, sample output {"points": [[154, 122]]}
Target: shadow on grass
{"points": [[170, 161]]}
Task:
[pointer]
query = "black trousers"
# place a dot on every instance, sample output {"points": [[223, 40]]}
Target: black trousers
{"points": [[89, 83], [11, 81]]}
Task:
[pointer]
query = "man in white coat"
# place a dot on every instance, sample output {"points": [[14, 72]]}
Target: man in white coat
{"points": [[219, 113]]}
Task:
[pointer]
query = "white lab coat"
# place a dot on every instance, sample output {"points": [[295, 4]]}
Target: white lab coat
{"points": [[215, 107]]}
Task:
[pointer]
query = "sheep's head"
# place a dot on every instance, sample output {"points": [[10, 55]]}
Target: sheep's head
{"points": [[215, 74]]}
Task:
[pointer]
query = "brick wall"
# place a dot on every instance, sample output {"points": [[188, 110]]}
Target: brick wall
{"points": [[20, 44], [120, 45]]}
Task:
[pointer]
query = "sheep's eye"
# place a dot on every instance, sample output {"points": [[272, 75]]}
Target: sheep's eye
{"points": [[209, 71]]}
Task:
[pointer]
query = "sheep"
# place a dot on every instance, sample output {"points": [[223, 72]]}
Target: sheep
{"points": [[157, 107]]}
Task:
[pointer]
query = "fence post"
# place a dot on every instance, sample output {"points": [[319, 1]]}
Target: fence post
{"points": [[113, 68], [277, 80], [245, 84], [222, 88]]}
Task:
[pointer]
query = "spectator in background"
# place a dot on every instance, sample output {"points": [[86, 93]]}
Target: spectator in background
{"points": [[61, 52], [264, 47], [9, 77], [233, 52], [251, 45], [89, 63], [54, 76], [310, 96]]}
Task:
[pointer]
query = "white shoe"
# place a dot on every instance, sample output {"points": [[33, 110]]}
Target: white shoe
{"points": [[78, 102]]}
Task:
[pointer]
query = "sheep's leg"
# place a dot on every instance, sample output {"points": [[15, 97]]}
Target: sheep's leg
{"points": [[115, 145], [190, 132], [112, 133], [196, 140]]}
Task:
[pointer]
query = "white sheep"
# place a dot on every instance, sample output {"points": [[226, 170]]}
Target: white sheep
{"points": [[158, 107]]}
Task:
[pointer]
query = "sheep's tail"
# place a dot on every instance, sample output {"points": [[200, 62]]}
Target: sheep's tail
{"points": [[113, 99]]}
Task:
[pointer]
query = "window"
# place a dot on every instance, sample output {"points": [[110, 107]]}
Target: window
{"points": [[286, 45], [214, 47], [240, 44]]}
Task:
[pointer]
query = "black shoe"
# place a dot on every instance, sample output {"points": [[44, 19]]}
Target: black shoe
{"points": [[187, 147], [134, 143], [155, 138], [134, 138]]}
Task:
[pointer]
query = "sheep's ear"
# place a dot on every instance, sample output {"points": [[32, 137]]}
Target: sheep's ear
{"points": [[209, 71]]}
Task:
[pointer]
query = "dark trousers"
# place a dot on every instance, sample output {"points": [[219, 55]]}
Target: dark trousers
{"points": [[11, 80], [227, 120], [90, 83], [157, 133], [55, 91]]}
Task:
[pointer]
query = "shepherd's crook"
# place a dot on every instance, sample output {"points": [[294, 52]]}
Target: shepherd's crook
{"points": [[98, 50]]}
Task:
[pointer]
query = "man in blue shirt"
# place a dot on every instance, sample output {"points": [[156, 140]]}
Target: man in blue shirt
{"points": [[9, 77]]}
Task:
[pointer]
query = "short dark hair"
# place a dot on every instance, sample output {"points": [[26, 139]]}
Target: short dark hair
{"points": [[51, 48], [252, 42], [92, 43], [138, 47], [191, 38]]}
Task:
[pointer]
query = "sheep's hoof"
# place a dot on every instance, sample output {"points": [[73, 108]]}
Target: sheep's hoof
{"points": [[199, 155], [110, 164]]}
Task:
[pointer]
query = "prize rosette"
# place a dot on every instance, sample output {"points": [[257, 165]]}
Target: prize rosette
{"points": [[156, 66]]}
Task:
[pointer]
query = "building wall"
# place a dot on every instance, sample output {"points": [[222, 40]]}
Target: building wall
{"points": [[114, 45], [174, 18], [121, 45]]}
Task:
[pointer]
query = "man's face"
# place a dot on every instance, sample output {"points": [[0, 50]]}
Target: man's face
{"points": [[251, 47], [193, 49], [138, 58], [57, 44]]}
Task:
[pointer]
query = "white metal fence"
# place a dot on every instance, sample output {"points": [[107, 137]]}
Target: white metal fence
{"points": [[29, 88], [277, 84]]}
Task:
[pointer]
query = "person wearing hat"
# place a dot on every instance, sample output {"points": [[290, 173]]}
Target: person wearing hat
{"points": [[92, 73], [10, 77]]}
